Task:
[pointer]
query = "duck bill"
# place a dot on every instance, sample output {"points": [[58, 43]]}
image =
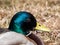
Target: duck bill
{"points": [[41, 28]]}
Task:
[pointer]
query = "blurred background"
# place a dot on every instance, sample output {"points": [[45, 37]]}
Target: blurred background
{"points": [[47, 12]]}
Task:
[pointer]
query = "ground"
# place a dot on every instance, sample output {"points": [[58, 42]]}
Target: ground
{"points": [[47, 12]]}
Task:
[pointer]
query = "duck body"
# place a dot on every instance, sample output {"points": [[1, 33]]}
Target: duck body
{"points": [[13, 38]]}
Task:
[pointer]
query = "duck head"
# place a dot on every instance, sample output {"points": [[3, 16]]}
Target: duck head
{"points": [[23, 22]]}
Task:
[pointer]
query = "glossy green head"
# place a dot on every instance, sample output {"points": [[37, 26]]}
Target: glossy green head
{"points": [[22, 22]]}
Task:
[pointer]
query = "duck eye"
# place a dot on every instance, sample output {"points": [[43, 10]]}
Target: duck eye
{"points": [[27, 20]]}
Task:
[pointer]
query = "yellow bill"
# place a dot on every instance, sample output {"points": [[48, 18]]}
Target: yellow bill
{"points": [[42, 28]]}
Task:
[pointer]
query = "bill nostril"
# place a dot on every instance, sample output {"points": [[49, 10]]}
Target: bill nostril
{"points": [[39, 25]]}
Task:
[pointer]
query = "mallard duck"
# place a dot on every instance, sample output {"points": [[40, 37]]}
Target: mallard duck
{"points": [[20, 26]]}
